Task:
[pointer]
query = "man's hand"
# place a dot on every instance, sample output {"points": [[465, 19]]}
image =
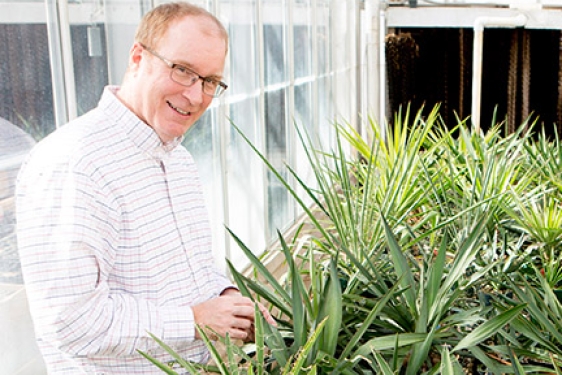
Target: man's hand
{"points": [[230, 313]]}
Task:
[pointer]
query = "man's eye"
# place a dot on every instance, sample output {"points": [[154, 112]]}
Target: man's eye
{"points": [[183, 70], [211, 82]]}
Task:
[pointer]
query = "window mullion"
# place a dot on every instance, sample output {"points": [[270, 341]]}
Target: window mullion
{"points": [[57, 68], [67, 59]]}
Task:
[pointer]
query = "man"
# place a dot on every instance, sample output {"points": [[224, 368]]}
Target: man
{"points": [[112, 230]]}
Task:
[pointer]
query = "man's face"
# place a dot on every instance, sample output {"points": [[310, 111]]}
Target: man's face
{"points": [[168, 107]]}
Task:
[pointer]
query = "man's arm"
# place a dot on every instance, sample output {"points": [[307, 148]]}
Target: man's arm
{"points": [[66, 238]]}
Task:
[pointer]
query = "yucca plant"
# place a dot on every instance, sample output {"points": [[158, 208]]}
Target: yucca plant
{"points": [[545, 156], [407, 267], [393, 173], [406, 325], [534, 337], [433, 310], [541, 219], [366, 330], [539, 215], [305, 300], [486, 167], [238, 360]]}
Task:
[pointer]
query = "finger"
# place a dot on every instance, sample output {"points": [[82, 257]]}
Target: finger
{"points": [[246, 309], [246, 312], [240, 300], [239, 334], [243, 324], [267, 315]]}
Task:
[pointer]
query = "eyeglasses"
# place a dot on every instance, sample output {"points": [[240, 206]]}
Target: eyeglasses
{"points": [[187, 77]]}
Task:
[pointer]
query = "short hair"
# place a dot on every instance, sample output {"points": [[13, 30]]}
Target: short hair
{"points": [[156, 22]]}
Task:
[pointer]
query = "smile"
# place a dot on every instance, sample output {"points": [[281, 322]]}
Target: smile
{"points": [[180, 111]]}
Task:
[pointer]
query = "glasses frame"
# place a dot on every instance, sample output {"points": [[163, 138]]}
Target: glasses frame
{"points": [[221, 86]]}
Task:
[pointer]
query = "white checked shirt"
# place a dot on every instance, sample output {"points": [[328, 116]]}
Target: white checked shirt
{"points": [[114, 242]]}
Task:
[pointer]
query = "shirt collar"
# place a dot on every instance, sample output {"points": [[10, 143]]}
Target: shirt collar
{"points": [[138, 131]]}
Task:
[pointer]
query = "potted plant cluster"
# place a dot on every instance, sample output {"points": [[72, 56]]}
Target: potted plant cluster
{"points": [[429, 250]]}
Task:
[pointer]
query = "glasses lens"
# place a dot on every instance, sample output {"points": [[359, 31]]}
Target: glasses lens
{"points": [[186, 77], [220, 89]]}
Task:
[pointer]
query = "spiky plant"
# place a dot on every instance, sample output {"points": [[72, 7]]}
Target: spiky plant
{"points": [[416, 261]]}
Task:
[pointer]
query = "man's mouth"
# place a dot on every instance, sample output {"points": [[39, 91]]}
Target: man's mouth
{"points": [[178, 110]]}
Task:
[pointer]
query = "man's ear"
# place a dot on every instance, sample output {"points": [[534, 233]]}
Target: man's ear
{"points": [[135, 56]]}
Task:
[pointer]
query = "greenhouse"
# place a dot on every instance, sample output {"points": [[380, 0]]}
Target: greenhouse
{"points": [[383, 179]]}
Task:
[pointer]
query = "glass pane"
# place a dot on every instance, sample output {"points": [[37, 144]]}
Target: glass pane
{"points": [[26, 113], [278, 205], [274, 43], [323, 35], [245, 182], [121, 18], [89, 52], [302, 38], [325, 114], [14, 145], [303, 108], [276, 152], [199, 141], [242, 34], [90, 64], [305, 122], [276, 131], [25, 78]]}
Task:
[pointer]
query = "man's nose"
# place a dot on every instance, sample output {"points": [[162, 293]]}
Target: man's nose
{"points": [[195, 93]]}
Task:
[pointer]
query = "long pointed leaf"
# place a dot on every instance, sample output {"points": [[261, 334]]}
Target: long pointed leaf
{"points": [[403, 270], [488, 328]]}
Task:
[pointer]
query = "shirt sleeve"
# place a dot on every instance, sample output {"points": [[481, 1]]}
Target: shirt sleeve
{"points": [[67, 248]]}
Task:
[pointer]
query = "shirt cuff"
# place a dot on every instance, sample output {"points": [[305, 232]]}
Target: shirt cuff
{"points": [[228, 288], [179, 326]]}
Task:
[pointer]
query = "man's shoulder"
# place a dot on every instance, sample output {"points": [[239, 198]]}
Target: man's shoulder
{"points": [[74, 141]]}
